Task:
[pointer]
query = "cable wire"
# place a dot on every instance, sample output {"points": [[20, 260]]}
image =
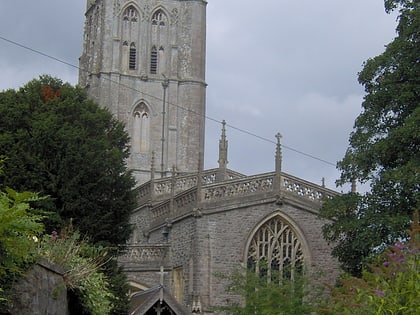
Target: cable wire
{"points": [[176, 105]]}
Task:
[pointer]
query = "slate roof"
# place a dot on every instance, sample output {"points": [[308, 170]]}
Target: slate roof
{"points": [[143, 301]]}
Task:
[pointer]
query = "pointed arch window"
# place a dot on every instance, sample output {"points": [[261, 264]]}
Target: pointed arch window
{"points": [[130, 14], [275, 251], [129, 38], [159, 40], [159, 18], [141, 129]]}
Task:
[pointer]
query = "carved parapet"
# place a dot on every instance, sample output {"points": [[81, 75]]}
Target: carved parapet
{"points": [[162, 187], [234, 175], [184, 183], [306, 190], [143, 254], [185, 202], [238, 188], [208, 178], [160, 212], [143, 193]]}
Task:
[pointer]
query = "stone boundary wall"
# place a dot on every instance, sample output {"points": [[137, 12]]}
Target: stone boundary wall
{"points": [[41, 292]]}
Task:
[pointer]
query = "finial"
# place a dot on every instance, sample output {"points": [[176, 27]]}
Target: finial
{"points": [[223, 129], [279, 156], [323, 182], [223, 148], [152, 166]]}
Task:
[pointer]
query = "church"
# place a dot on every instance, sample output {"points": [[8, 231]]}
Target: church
{"points": [[145, 61]]}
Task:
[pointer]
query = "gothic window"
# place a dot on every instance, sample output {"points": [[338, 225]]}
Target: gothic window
{"points": [[130, 14], [159, 18], [153, 60], [132, 56], [275, 251], [129, 38], [141, 127], [159, 40]]}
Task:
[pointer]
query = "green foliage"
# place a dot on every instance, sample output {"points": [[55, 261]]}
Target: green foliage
{"points": [[252, 294], [61, 144], [82, 264], [384, 150], [119, 287], [19, 229], [390, 286]]}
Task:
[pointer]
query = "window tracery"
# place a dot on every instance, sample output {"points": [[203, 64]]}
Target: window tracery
{"points": [[159, 40], [275, 251], [130, 14], [129, 38], [141, 129], [159, 18]]}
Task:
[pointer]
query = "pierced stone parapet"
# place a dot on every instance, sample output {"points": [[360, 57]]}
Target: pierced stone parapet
{"points": [[186, 198], [161, 212], [243, 187], [184, 183], [144, 253], [143, 193], [305, 189], [163, 187], [185, 202]]}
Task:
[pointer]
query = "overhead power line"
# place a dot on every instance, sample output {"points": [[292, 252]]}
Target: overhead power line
{"points": [[176, 105]]}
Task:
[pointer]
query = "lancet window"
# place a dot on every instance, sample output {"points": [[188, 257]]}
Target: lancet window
{"points": [[159, 40], [159, 18], [141, 129], [275, 251], [130, 14], [129, 38]]}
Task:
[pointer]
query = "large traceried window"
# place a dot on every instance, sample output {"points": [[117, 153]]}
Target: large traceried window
{"points": [[141, 129], [275, 251]]}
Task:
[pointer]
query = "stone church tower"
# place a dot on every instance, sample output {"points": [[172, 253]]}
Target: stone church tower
{"points": [[145, 61]]}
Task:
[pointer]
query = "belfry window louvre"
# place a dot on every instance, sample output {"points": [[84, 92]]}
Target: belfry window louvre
{"points": [[275, 251], [132, 57], [153, 60]]}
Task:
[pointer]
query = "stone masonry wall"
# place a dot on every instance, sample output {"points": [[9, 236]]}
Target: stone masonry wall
{"points": [[41, 292]]}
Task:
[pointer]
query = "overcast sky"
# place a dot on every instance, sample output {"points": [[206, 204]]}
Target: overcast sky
{"points": [[272, 66]]}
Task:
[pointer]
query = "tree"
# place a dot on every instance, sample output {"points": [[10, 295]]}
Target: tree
{"points": [[390, 285], [62, 145], [252, 294], [383, 150], [19, 227]]}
